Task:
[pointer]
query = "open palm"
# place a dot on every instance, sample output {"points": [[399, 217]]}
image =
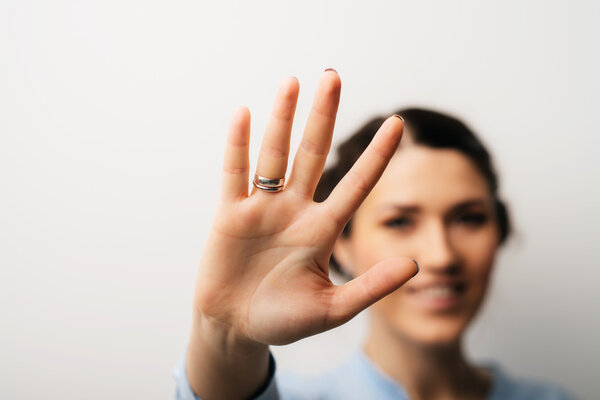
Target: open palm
{"points": [[264, 272]]}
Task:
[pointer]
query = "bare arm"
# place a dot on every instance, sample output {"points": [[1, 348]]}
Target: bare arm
{"points": [[222, 366]]}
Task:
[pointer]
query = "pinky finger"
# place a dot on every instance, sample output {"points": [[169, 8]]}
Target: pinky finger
{"points": [[236, 163]]}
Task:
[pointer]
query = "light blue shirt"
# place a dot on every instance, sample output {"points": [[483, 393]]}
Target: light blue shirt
{"points": [[358, 378]]}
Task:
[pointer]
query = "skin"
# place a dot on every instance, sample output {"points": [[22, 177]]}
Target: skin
{"points": [[435, 206], [264, 276]]}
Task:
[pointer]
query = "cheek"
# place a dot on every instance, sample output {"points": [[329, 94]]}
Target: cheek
{"points": [[375, 247], [477, 252]]}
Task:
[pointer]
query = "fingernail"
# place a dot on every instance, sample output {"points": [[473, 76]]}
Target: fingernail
{"points": [[330, 69], [401, 119], [417, 264]]}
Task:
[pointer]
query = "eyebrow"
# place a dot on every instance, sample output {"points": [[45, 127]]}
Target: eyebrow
{"points": [[409, 208], [470, 203]]}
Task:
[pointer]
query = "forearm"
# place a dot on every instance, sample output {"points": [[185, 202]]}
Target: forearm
{"points": [[221, 365]]}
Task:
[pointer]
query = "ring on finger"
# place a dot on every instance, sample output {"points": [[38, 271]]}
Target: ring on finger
{"points": [[268, 184]]}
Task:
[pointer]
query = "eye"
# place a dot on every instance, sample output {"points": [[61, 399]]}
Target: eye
{"points": [[399, 222], [472, 219]]}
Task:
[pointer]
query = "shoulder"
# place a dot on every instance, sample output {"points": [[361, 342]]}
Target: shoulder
{"points": [[357, 378], [506, 386]]}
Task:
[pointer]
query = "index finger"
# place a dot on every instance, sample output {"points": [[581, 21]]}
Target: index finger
{"points": [[350, 192]]}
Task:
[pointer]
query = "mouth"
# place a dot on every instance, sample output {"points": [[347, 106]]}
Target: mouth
{"points": [[438, 296]]}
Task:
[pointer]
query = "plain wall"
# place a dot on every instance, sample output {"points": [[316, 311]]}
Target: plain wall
{"points": [[112, 122]]}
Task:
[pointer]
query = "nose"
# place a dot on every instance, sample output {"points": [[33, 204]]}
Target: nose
{"points": [[437, 252]]}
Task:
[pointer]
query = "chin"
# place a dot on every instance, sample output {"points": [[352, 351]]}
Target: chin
{"points": [[427, 326], [435, 331]]}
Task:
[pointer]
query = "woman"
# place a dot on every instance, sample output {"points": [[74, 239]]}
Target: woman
{"points": [[264, 274]]}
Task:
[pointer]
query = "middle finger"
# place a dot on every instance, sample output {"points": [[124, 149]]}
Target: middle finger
{"points": [[316, 141]]}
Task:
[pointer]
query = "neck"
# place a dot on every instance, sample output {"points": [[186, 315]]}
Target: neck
{"points": [[425, 371]]}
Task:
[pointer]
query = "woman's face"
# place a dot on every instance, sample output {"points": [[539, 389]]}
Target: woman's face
{"points": [[432, 205]]}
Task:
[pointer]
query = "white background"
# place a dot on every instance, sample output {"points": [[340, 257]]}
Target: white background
{"points": [[112, 121]]}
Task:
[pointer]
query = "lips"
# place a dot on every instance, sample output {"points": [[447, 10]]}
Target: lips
{"points": [[437, 295]]}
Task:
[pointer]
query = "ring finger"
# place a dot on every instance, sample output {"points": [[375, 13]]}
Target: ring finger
{"points": [[275, 148]]}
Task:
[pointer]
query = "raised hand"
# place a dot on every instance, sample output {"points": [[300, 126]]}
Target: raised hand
{"points": [[264, 276]]}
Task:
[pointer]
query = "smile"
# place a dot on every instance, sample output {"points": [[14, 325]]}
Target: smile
{"points": [[438, 296]]}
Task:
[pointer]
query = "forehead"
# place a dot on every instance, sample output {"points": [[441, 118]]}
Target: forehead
{"points": [[428, 177]]}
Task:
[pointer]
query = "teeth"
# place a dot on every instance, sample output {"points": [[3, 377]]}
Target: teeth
{"points": [[439, 292]]}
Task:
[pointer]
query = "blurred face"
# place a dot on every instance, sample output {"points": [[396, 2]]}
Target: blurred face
{"points": [[432, 205]]}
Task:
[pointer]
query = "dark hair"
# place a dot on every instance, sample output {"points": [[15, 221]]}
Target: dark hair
{"points": [[427, 128]]}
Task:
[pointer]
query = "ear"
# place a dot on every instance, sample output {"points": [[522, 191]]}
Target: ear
{"points": [[342, 251]]}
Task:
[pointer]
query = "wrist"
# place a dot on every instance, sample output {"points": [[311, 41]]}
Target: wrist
{"points": [[224, 339], [221, 363]]}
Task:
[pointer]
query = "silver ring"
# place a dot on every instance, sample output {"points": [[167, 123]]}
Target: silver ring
{"points": [[268, 184]]}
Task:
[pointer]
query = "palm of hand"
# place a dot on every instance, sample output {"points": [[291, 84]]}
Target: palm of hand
{"points": [[264, 272]]}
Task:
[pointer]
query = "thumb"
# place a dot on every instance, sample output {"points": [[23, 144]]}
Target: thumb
{"points": [[377, 282]]}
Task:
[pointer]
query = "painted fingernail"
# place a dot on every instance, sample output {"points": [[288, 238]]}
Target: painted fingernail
{"points": [[417, 264], [330, 69], [401, 119]]}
